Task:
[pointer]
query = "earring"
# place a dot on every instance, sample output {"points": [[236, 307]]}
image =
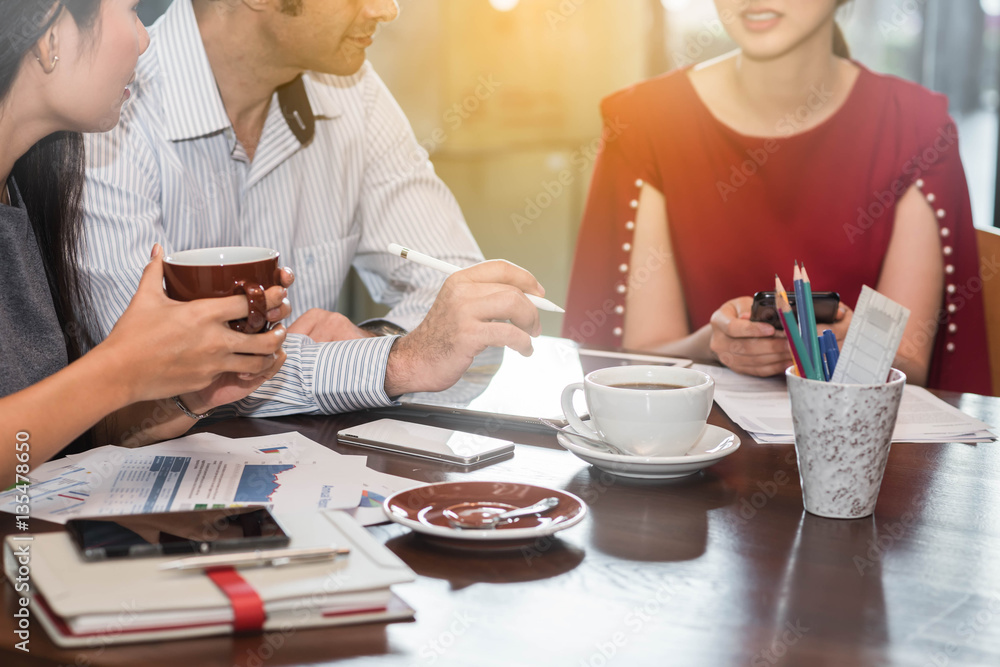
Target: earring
{"points": [[55, 60]]}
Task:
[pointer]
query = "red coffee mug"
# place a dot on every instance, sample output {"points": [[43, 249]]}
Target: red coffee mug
{"points": [[217, 272]]}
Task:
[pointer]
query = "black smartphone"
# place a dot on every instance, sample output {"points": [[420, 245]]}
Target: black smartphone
{"points": [[825, 306], [192, 532]]}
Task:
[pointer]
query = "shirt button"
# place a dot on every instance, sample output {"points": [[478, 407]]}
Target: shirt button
{"points": [[951, 307], [947, 250], [945, 232], [634, 203], [620, 289], [931, 197], [949, 269], [950, 289], [619, 309], [630, 225], [950, 347], [627, 247], [952, 328], [623, 268], [617, 331], [940, 214], [639, 183], [920, 183]]}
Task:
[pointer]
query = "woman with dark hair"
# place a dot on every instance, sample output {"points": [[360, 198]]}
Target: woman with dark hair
{"points": [[727, 172], [64, 69]]}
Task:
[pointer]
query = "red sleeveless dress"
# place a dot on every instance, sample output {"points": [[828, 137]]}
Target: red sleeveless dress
{"points": [[741, 208]]}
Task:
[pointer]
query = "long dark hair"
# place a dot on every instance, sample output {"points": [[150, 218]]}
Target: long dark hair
{"points": [[50, 175]]}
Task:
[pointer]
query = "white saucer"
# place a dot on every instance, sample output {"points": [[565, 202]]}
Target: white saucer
{"points": [[716, 443]]}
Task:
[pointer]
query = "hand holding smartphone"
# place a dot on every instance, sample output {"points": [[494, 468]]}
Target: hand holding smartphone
{"points": [[825, 305]]}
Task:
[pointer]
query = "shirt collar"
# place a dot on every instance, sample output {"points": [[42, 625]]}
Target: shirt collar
{"points": [[191, 101], [322, 90], [192, 104]]}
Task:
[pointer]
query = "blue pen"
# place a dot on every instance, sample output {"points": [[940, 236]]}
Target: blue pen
{"points": [[832, 350], [824, 355]]}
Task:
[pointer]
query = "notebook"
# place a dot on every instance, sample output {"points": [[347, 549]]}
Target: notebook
{"points": [[131, 600], [506, 389]]}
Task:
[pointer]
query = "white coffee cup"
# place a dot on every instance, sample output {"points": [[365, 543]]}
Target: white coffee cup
{"points": [[649, 421]]}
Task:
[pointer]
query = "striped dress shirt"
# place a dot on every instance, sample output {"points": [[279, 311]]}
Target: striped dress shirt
{"points": [[173, 172]]}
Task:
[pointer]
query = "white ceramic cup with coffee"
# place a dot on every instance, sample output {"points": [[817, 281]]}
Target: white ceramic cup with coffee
{"points": [[644, 410]]}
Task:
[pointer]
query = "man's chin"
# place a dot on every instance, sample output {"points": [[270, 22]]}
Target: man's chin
{"points": [[344, 66]]}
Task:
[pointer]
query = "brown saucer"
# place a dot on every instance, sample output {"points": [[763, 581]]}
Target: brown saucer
{"points": [[422, 509]]}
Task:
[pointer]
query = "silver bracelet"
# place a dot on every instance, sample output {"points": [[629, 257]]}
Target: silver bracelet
{"points": [[193, 415]]}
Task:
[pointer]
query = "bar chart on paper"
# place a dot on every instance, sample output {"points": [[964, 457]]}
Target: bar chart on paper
{"points": [[259, 482], [286, 472], [208, 473], [145, 483], [56, 488]]}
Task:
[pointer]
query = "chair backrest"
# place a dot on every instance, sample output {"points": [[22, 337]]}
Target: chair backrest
{"points": [[989, 249]]}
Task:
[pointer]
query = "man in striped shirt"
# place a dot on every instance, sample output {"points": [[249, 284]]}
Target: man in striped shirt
{"points": [[259, 123]]}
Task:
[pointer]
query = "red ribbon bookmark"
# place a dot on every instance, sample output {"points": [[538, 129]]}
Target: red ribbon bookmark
{"points": [[248, 608]]}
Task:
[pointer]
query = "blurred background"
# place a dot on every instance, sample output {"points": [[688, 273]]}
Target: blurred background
{"points": [[504, 96]]}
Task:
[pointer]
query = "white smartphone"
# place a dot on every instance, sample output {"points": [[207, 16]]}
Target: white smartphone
{"points": [[429, 442]]}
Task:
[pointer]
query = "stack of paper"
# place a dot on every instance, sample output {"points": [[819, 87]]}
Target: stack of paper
{"points": [[286, 472], [761, 407]]}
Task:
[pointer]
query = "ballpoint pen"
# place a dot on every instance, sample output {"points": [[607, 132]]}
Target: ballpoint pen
{"points": [[445, 267], [257, 558]]}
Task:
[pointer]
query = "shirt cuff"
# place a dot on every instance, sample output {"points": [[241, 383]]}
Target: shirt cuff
{"points": [[348, 375]]}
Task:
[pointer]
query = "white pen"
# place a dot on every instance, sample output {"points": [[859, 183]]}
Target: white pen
{"points": [[445, 267], [257, 558]]}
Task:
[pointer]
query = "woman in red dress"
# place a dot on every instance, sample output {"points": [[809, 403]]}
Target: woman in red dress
{"points": [[728, 172]]}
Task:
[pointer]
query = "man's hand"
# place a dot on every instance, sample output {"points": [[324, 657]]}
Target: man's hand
{"points": [[325, 327], [753, 348], [478, 307]]}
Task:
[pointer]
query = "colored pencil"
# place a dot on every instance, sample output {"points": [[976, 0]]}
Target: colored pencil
{"points": [[791, 346], [792, 330], [801, 312], [810, 315]]}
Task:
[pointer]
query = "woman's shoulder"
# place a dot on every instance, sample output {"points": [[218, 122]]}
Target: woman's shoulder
{"points": [[657, 98], [911, 106]]}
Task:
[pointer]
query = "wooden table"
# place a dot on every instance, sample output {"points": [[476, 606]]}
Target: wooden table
{"points": [[722, 568]]}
